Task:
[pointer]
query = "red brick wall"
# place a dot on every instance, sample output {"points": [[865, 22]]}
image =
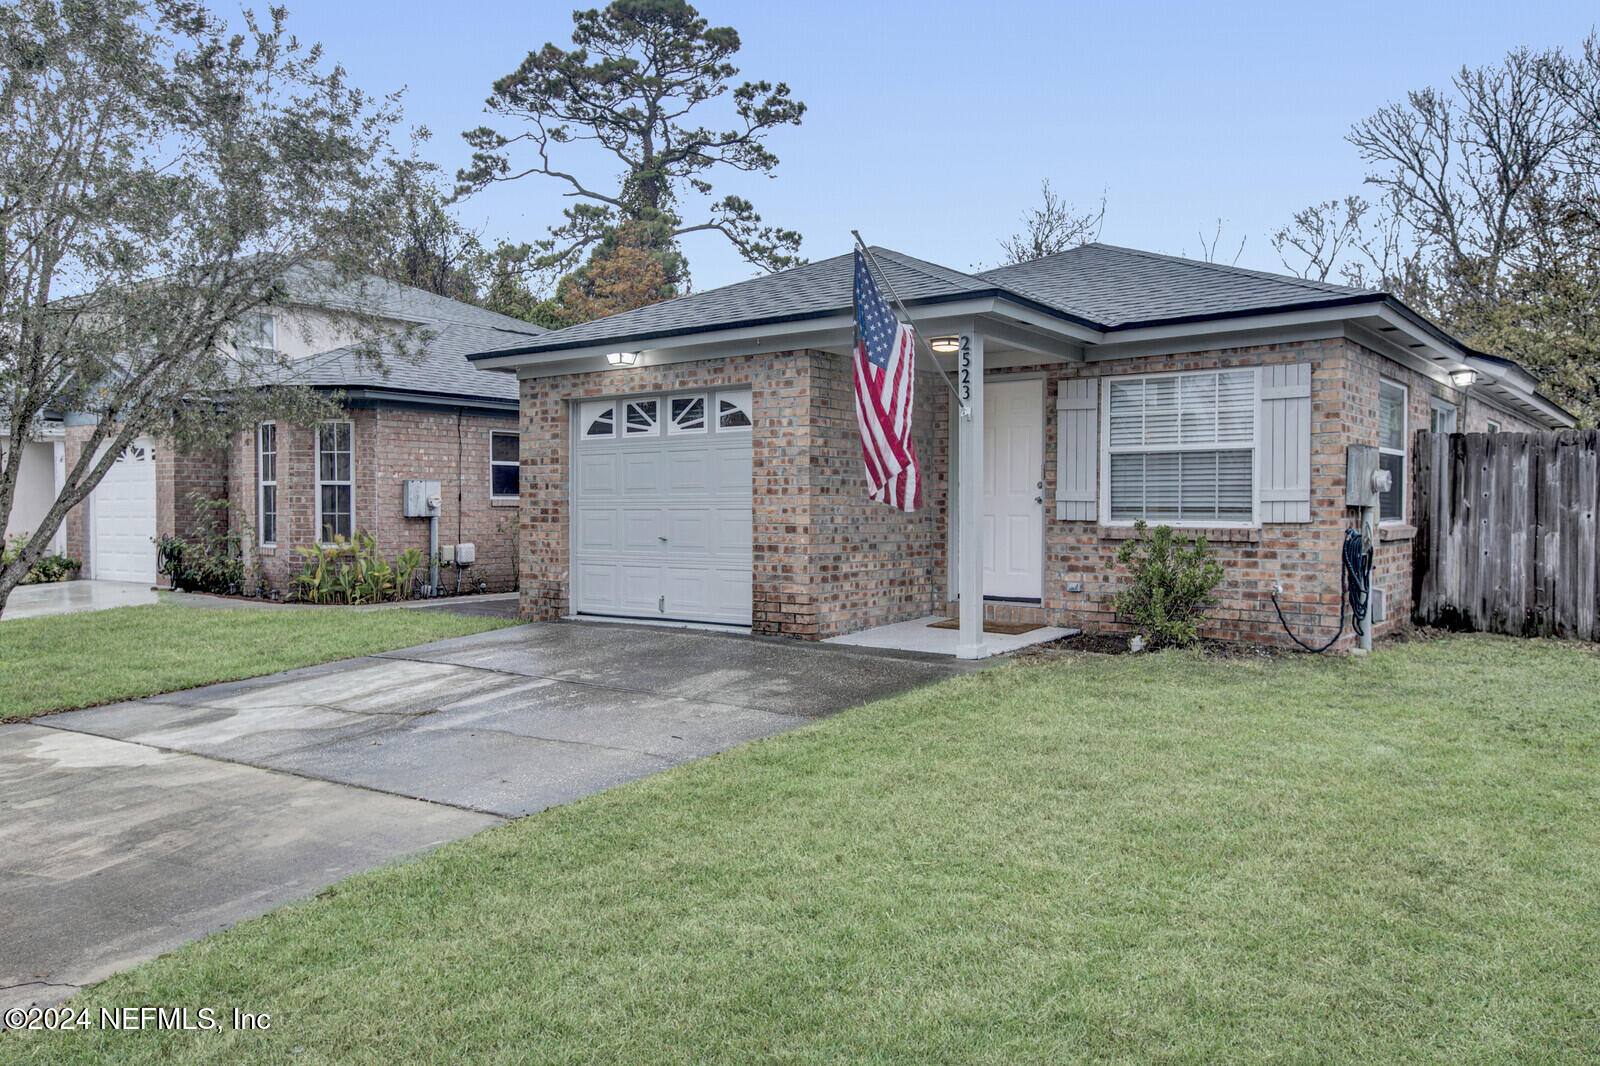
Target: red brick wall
{"points": [[872, 564], [779, 385], [1304, 558], [829, 561], [389, 446], [826, 560], [1478, 415]]}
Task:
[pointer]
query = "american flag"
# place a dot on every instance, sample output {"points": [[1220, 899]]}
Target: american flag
{"points": [[885, 377]]}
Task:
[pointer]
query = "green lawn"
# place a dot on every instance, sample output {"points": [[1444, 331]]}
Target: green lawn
{"points": [[78, 660], [1147, 859]]}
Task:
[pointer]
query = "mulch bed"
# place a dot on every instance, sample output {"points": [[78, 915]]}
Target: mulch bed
{"points": [[1117, 644]]}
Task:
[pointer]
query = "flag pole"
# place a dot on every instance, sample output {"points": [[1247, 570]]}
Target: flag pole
{"points": [[915, 331]]}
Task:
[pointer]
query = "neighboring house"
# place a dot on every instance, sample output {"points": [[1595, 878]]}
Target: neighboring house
{"points": [[38, 479], [428, 415], [698, 459]]}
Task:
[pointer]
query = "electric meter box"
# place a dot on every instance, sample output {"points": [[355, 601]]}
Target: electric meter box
{"points": [[1360, 464], [419, 499]]}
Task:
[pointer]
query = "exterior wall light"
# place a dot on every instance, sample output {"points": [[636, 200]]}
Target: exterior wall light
{"points": [[622, 358], [944, 345], [1463, 379]]}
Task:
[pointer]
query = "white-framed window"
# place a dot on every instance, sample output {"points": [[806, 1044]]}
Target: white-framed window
{"points": [[641, 418], [1392, 399], [597, 419], [335, 481], [267, 482], [733, 410], [686, 414], [1494, 427], [1441, 416], [504, 465], [1180, 448], [256, 334]]}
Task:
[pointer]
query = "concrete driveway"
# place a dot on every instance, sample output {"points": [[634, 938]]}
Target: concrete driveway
{"points": [[130, 829], [70, 597]]}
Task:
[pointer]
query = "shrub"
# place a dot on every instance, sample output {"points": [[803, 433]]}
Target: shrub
{"points": [[212, 558], [51, 568], [1171, 587], [46, 569], [351, 571]]}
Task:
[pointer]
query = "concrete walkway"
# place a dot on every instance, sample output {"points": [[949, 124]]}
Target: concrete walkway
{"points": [[130, 829], [70, 597]]}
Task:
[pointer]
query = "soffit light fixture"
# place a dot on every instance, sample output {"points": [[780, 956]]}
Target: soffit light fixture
{"points": [[622, 358], [944, 345], [1463, 379]]}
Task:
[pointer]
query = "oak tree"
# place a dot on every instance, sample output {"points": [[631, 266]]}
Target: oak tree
{"points": [[161, 178]]}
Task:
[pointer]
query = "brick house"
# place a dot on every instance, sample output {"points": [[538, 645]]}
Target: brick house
{"points": [[426, 414], [698, 460]]}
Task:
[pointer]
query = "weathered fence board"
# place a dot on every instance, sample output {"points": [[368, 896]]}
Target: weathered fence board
{"points": [[1506, 532]]}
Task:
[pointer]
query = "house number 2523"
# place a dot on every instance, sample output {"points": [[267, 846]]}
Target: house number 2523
{"points": [[965, 368]]}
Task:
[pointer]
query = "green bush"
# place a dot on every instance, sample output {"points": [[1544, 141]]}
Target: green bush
{"points": [[46, 569], [212, 559], [351, 571], [1171, 587]]}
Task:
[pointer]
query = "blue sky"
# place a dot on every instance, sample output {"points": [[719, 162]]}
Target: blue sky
{"points": [[930, 125]]}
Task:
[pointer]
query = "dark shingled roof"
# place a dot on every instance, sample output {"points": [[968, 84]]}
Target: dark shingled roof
{"points": [[1097, 285], [810, 291], [313, 285], [1119, 288], [441, 370]]}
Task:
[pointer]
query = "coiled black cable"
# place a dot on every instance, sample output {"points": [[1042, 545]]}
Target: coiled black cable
{"points": [[1355, 589]]}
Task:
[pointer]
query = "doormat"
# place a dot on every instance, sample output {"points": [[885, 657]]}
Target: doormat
{"points": [[1010, 629]]}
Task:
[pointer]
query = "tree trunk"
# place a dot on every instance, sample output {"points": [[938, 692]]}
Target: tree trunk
{"points": [[10, 577]]}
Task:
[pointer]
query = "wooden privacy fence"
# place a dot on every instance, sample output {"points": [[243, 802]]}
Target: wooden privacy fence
{"points": [[1506, 538]]}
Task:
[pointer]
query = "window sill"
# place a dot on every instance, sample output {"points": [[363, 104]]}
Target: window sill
{"points": [[503, 501], [1213, 534], [267, 549], [1396, 532]]}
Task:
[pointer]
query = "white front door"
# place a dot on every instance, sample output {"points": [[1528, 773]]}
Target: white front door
{"points": [[662, 507], [122, 512], [1013, 488]]}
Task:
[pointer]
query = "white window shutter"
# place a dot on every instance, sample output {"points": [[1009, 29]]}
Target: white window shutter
{"points": [[1284, 457], [1077, 449]]}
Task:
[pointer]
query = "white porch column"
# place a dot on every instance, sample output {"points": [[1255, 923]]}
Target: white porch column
{"points": [[969, 487]]}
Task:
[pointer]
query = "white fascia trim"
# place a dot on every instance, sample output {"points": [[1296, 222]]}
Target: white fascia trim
{"points": [[1514, 388], [831, 332], [1502, 387], [1402, 353], [778, 337], [1236, 337], [697, 347], [42, 430], [1123, 342]]}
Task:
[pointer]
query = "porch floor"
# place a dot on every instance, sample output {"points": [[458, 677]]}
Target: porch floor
{"points": [[916, 635]]}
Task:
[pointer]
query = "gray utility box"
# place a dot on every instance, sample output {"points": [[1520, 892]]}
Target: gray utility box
{"points": [[419, 499], [1363, 480], [466, 554]]}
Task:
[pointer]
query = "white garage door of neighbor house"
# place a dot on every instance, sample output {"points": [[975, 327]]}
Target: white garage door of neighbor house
{"points": [[661, 503], [122, 514]]}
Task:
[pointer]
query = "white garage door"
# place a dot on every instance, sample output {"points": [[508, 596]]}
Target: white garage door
{"points": [[122, 512], [662, 507]]}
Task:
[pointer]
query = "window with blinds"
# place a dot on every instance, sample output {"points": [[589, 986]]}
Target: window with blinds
{"points": [[1181, 447]]}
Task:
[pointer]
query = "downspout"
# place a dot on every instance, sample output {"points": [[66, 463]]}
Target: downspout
{"points": [[460, 494]]}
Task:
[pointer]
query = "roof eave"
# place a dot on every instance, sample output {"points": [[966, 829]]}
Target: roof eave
{"points": [[1080, 330], [364, 395]]}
